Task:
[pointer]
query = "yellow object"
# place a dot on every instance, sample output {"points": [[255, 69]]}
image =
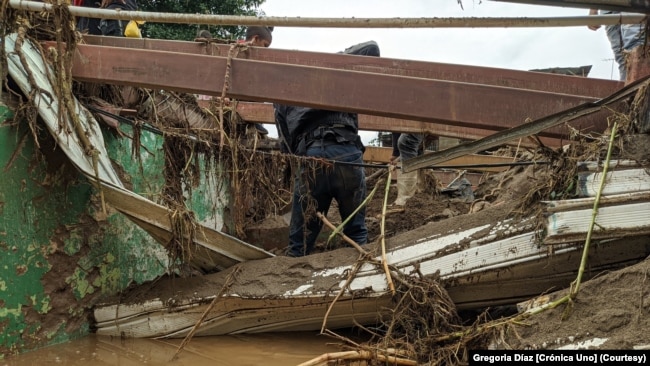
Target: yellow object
{"points": [[132, 30]]}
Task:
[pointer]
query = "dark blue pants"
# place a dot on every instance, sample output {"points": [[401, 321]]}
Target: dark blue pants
{"points": [[344, 183], [409, 145]]}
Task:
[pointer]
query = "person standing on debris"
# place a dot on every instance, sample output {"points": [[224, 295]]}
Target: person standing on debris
{"points": [[623, 39], [332, 136], [408, 145]]}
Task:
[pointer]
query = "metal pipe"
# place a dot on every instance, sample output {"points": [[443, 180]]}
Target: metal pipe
{"points": [[637, 6], [337, 22]]}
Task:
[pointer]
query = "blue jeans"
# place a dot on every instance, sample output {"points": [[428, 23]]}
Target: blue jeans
{"points": [[345, 183], [624, 37], [409, 145]]}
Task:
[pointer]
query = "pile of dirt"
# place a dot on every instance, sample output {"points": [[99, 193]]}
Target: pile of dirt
{"points": [[611, 311]]}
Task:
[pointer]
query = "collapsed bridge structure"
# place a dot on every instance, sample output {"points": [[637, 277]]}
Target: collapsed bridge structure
{"points": [[485, 264]]}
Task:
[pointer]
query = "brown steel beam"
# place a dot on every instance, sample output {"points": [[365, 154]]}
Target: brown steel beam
{"points": [[575, 85], [263, 113], [459, 104]]}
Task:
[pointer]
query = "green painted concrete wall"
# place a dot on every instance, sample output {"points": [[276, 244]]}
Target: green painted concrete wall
{"points": [[58, 257]]}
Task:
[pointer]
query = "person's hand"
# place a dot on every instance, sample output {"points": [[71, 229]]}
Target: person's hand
{"points": [[106, 3], [593, 12]]}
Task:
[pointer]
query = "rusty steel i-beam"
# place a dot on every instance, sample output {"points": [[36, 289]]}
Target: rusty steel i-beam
{"points": [[444, 102], [555, 83], [263, 113]]}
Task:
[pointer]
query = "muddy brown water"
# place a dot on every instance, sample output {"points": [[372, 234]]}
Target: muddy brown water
{"points": [[269, 349]]}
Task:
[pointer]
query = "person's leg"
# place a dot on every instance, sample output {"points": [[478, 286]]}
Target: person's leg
{"points": [[297, 238], [348, 186], [407, 183], [616, 41], [409, 145], [632, 35], [395, 138], [311, 194]]}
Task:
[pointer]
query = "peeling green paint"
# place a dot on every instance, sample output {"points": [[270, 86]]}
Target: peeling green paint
{"points": [[42, 304], [80, 284], [49, 231], [73, 243], [47, 211], [5, 312], [207, 202]]}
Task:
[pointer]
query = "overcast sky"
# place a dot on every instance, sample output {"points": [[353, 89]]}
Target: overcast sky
{"points": [[510, 48]]}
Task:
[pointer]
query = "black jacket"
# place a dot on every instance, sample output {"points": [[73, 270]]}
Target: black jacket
{"points": [[300, 124], [297, 125]]}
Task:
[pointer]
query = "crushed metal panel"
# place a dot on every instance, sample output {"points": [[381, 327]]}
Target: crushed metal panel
{"points": [[616, 182], [611, 221], [224, 250], [579, 203], [48, 105]]}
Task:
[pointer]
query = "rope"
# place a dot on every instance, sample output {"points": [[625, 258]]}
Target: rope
{"points": [[157, 131]]}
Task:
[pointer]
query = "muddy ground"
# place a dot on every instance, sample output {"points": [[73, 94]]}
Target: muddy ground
{"points": [[611, 311], [614, 306]]}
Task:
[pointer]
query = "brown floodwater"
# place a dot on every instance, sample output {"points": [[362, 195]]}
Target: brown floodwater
{"points": [[269, 349]]}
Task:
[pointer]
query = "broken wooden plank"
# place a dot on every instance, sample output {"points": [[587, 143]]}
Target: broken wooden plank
{"points": [[377, 154]]}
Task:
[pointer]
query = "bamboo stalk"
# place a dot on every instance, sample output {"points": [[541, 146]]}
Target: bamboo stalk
{"points": [[338, 229], [575, 285], [345, 237], [384, 261], [594, 212], [461, 22], [351, 276], [357, 355], [229, 280]]}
